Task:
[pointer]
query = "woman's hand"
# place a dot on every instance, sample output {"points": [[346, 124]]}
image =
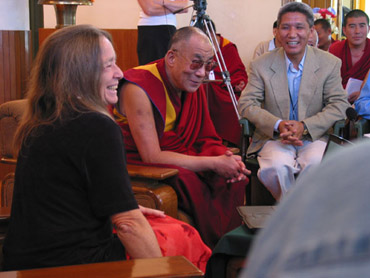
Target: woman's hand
{"points": [[152, 212]]}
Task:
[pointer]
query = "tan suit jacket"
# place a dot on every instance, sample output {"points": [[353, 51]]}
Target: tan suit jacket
{"points": [[321, 102], [261, 48]]}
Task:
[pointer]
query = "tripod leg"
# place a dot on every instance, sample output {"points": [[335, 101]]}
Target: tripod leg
{"points": [[208, 28]]}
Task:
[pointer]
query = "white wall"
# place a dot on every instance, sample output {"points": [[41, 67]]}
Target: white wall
{"points": [[367, 9], [244, 22], [14, 15]]}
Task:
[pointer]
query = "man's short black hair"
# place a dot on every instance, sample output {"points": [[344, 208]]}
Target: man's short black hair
{"points": [[275, 24], [296, 7], [355, 13], [324, 23]]}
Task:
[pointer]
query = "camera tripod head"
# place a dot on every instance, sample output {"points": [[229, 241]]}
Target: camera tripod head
{"points": [[200, 7]]}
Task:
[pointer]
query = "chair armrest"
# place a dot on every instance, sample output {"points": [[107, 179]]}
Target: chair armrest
{"points": [[151, 172], [11, 161], [149, 191], [247, 131], [156, 196], [247, 127], [338, 127], [363, 127]]}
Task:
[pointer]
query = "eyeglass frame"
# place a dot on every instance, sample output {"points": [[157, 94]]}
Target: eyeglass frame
{"points": [[197, 64]]}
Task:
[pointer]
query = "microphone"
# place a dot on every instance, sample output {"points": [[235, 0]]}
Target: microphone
{"points": [[350, 132]]}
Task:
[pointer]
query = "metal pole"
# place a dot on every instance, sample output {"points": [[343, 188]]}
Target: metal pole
{"points": [[339, 17]]}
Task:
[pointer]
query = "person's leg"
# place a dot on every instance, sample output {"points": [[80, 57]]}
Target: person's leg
{"points": [[278, 167], [152, 42], [310, 154], [177, 238]]}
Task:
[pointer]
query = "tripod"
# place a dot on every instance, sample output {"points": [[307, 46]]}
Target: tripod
{"points": [[203, 22]]}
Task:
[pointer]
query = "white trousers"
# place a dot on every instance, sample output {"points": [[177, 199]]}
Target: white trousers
{"points": [[280, 163]]}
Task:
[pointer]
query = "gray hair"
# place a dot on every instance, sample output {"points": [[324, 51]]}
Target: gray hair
{"points": [[297, 7]]}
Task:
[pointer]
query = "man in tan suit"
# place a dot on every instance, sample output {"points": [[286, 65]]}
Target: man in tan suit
{"points": [[293, 97]]}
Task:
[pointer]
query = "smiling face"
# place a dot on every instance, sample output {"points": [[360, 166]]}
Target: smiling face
{"points": [[294, 32], [111, 73], [183, 60], [356, 31]]}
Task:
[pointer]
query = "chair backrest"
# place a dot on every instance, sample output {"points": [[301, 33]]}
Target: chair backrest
{"points": [[247, 132], [10, 115], [7, 185]]}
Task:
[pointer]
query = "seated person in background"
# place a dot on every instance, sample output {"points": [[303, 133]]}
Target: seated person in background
{"points": [[156, 26], [71, 182], [165, 120], [267, 46], [323, 28], [293, 97], [313, 39], [362, 104], [355, 50], [322, 228], [220, 106]]}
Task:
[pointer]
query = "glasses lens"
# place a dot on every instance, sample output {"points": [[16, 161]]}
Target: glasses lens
{"points": [[197, 64], [211, 66]]}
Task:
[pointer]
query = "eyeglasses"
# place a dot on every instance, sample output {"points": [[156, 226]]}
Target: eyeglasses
{"points": [[208, 66], [197, 64]]}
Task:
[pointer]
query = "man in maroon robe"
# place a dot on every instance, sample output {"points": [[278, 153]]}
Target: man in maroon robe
{"points": [[164, 118], [323, 29], [221, 108], [355, 50]]}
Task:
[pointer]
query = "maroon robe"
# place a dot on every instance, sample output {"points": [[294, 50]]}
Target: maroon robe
{"points": [[205, 196], [221, 108], [359, 70]]}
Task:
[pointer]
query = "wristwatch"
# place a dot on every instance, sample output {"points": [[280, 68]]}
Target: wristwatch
{"points": [[305, 130]]}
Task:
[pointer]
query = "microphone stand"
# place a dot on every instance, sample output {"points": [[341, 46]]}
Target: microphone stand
{"points": [[350, 130]]}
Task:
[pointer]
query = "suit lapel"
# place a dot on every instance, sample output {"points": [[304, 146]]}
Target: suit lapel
{"points": [[308, 83], [279, 84]]}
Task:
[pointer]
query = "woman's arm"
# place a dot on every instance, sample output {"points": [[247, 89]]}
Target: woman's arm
{"points": [[162, 7], [136, 234]]}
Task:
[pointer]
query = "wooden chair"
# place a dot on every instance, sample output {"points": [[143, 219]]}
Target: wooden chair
{"points": [[147, 181], [360, 127], [257, 192]]}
